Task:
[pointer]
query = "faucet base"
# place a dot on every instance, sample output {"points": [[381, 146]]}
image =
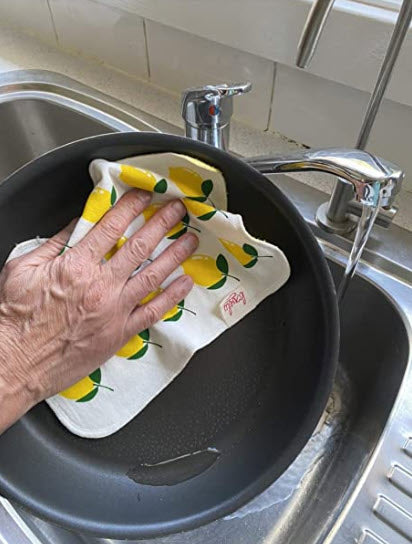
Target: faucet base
{"points": [[343, 227]]}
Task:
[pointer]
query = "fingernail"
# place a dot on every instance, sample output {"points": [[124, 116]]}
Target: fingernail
{"points": [[179, 206], [190, 241]]}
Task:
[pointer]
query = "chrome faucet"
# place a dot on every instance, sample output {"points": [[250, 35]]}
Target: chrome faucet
{"points": [[370, 179], [334, 216], [374, 181], [207, 112]]}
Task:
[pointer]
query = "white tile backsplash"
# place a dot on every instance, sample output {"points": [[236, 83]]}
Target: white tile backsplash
{"points": [[303, 106], [31, 15], [179, 60], [322, 113], [315, 111], [391, 137], [103, 32]]}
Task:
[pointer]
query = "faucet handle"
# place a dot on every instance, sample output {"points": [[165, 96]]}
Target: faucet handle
{"points": [[233, 90], [207, 111]]}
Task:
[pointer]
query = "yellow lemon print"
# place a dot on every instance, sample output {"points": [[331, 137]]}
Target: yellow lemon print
{"points": [[85, 389], [202, 211], [97, 204], [188, 181], [177, 231], [141, 179], [137, 346], [120, 242], [204, 165], [237, 251], [206, 271], [191, 183], [174, 314], [246, 254]]}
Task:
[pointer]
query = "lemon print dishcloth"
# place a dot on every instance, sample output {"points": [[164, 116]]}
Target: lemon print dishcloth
{"points": [[232, 273]]}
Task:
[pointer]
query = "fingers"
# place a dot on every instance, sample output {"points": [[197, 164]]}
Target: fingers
{"points": [[53, 246], [149, 279], [113, 224], [140, 246], [145, 316]]}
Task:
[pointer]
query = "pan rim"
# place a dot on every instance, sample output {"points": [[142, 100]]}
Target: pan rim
{"points": [[320, 396]]}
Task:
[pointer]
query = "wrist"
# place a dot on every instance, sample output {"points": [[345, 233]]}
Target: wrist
{"points": [[15, 397]]}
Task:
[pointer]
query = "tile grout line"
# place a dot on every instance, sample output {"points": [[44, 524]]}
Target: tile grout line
{"points": [[272, 95], [146, 49], [52, 21]]}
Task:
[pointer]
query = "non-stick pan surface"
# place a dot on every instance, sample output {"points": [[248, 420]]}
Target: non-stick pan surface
{"points": [[255, 394]]}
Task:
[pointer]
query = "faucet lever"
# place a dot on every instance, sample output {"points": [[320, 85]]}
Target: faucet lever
{"points": [[207, 112]]}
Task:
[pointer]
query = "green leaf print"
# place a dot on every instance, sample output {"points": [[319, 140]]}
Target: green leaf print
{"points": [[96, 376], [113, 196], [251, 263], [198, 198], [218, 284], [207, 187], [222, 264], [161, 186], [89, 396], [177, 234], [145, 335], [140, 353], [176, 317], [207, 216], [250, 250]]}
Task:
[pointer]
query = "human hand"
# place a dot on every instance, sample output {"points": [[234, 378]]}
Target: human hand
{"points": [[63, 315]]}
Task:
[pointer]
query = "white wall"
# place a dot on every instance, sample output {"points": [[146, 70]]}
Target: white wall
{"points": [[244, 40]]}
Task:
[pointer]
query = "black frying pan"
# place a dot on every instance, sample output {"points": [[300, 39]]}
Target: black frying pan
{"points": [[255, 394]]}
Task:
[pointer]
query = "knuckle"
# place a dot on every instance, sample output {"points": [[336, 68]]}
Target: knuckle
{"points": [[142, 198], [151, 314], [56, 244], [73, 266], [166, 219], [150, 280], [169, 300], [139, 249], [179, 253], [113, 226]]}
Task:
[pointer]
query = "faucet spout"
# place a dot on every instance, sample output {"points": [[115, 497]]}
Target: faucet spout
{"points": [[373, 179]]}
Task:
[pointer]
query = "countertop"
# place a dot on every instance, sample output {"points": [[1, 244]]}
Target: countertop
{"points": [[22, 51]]}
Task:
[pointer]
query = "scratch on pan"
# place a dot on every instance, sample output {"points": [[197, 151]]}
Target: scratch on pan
{"points": [[167, 461]]}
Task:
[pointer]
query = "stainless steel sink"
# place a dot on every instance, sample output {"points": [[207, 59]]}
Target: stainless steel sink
{"points": [[353, 481]]}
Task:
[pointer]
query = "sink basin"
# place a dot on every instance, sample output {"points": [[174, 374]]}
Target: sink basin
{"points": [[38, 126], [332, 490]]}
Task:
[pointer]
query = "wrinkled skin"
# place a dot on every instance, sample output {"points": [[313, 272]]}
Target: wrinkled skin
{"points": [[62, 316]]}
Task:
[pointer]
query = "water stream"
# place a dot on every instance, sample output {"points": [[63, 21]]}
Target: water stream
{"points": [[366, 222]]}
